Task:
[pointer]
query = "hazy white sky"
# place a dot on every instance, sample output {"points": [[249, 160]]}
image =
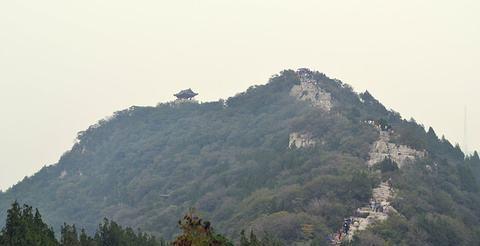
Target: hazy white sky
{"points": [[66, 64]]}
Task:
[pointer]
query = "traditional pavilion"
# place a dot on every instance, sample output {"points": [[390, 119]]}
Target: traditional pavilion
{"points": [[186, 94]]}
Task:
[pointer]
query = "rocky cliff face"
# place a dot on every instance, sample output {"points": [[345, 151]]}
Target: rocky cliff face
{"points": [[308, 90], [383, 149], [377, 211], [301, 140], [380, 206]]}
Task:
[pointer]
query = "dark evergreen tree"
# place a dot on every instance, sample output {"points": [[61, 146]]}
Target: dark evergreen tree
{"points": [[23, 228], [110, 233], [251, 241], [85, 240], [387, 165], [431, 133], [475, 158], [69, 236]]}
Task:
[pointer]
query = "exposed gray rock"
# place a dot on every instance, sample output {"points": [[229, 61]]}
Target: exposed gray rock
{"points": [[308, 90], [380, 204], [301, 140], [378, 210], [63, 174], [400, 154]]}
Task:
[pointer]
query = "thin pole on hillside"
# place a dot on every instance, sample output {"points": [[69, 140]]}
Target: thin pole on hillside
{"points": [[465, 136]]}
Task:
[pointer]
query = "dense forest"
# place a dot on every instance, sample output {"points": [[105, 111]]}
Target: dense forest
{"points": [[25, 227], [231, 159]]}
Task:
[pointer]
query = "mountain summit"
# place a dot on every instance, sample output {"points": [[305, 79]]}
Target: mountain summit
{"points": [[303, 158]]}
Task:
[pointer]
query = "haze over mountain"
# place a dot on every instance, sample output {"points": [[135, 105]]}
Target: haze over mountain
{"points": [[67, 64], [293, 158]]}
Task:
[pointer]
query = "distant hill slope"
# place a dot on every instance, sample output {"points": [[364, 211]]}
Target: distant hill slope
{"points": [[293, 157]]}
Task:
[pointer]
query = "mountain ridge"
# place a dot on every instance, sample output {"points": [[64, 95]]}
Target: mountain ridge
{"points": [[234, 160]]}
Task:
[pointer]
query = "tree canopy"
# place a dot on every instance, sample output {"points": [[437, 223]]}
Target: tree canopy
{"points": [[145, 166]]}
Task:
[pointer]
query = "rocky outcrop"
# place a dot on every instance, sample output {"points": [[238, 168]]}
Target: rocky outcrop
{"points": [[383, 149], [63, 174], [380, 204], [308, 90], [378, 210], [301, 140]]}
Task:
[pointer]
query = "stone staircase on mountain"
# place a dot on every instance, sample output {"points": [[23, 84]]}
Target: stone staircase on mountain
{"points": [[380, 204]]}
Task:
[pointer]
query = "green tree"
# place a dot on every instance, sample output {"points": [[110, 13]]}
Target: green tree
{"points": [[387, 165], [266, 240], [110, 233], [24, 228], [69, 236], [251, 241], [85, 240], [196, 232]]}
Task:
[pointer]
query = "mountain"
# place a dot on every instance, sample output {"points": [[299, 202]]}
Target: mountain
{"points": [[293, 158]]}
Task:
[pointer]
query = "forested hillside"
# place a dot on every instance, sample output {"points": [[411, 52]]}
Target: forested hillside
{"points": [[292, 158], [24, 227]]}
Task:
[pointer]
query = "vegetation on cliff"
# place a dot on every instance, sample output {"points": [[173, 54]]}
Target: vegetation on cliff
{"points": [[144, 166]]}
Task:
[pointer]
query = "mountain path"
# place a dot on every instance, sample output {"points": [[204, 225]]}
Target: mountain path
{"points": [[380, 206]]}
